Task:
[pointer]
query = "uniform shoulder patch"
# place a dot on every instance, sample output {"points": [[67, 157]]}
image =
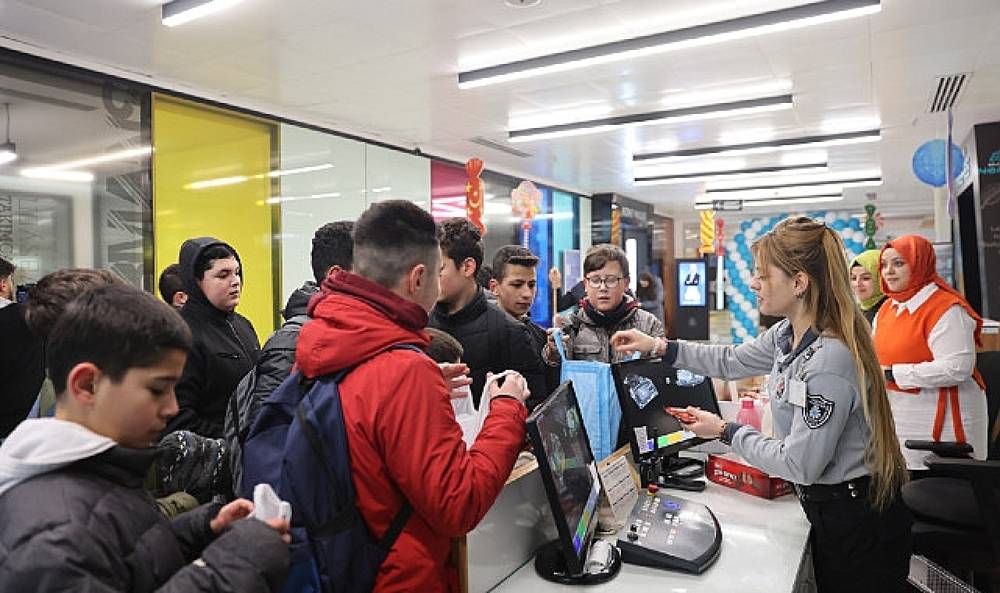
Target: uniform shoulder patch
{"points": [[817, 411]]}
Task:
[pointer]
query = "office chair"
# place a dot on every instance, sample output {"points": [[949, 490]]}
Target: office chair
{"points": [[956, 515]]}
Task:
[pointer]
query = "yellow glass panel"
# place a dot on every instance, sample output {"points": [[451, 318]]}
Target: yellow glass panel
{"points": [[210, 178]]}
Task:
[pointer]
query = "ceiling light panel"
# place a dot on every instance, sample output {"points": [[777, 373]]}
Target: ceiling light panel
{"points": [[762, 147], [702, 112], [700, 35], [178, 12], [771, 182], [728, 175]]}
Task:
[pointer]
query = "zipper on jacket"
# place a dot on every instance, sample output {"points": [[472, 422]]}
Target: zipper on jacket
{"points": [[238, 340]]}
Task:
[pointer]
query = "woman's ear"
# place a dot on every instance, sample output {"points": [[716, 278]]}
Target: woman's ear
{"points": [[81, 383]]}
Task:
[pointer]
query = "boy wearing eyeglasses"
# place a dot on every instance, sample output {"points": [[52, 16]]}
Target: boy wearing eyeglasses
{"points": [[605, 310]]}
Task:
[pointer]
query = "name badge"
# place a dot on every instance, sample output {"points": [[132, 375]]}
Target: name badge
{"points": [[797, 392]]}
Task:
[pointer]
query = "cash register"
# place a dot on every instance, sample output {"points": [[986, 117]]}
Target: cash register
{"points": [[662, 531]]}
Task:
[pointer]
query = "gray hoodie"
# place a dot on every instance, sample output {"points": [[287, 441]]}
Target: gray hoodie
{"points": [[41, 445]]}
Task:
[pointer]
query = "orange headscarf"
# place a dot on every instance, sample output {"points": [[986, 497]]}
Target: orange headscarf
{"points": [[919, 254]]}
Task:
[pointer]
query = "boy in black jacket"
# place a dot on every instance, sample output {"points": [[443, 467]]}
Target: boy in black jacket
{"points": [[493, 341], [75, 515]]}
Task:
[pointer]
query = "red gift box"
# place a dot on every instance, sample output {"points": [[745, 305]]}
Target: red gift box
{"points": [[730, 470]]}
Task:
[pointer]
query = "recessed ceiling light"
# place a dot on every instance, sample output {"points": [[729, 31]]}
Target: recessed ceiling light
{"points": [[522, 3], [700, 112], [700, 35]]}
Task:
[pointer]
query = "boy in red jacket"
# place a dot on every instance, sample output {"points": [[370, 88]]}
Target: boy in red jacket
{"points": [[401, 430]]}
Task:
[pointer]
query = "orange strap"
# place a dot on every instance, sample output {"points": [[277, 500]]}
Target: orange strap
{"points": [[944, 395]]}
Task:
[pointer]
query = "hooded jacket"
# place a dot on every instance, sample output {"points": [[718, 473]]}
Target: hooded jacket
{"points": [[492, 341], [224, 348], [588, 340], [76, 518], [401, 429]]}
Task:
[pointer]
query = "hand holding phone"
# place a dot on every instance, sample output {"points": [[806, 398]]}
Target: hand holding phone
{"points": [[681, 414]]}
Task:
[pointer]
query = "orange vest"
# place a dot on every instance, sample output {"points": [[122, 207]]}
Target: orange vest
{"points": [[903, 339]]}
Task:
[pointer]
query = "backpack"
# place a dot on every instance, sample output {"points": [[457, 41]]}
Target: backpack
{"points": [[245, 402], [298, 445]]}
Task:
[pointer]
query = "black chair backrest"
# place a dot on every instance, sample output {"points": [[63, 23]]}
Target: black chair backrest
{"points": [[988, 365]]}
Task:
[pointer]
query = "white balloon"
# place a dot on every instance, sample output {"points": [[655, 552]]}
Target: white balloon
{"points": [[731, 246], [745, 305], [745, 276], [829, 218]]}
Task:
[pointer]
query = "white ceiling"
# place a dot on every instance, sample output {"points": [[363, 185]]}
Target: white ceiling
{"points": [[387, 70]]}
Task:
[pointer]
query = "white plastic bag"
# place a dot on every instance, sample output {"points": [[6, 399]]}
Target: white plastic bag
{"points": [[469, 418]]}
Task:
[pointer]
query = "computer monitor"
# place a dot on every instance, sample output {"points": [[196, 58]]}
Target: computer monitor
{"points": [[568, 471], [692, 283], [645, 387]]}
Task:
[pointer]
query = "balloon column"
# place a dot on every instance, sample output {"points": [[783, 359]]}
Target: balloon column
{"points": [[525, 201], [739, 263], [474, 194]]}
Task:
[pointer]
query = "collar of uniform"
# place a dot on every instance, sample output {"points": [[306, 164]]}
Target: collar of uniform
{"points": [[785, 339], [916, 300]]}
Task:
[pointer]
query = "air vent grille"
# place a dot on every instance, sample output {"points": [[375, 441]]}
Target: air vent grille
{"points": [[497, 146], [946, 92]]}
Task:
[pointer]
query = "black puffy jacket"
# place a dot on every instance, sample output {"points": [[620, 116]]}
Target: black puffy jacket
{"points": [[22, 368], [492, 341], [225, 348], [91, 527], [273, 366]]}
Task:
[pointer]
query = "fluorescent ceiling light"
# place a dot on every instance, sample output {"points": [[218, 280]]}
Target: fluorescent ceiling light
{"points": [[726, 93], [379, 190], [780, 192], [654, 117], [219, 181], [734, 174], [57, 174], [869, 177], [808, 200], [283, 172], [178, 12], [699, 35], [761, 147]]}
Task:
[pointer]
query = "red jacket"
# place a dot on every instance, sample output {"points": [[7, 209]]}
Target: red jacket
{"points": [[402, 431]]}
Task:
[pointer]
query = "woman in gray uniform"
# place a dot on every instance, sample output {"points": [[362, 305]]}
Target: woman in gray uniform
{"points": [[834, 434]]}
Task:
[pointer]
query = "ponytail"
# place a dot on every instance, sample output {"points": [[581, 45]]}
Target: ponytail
{"points": [[841, 317], [803, 245]]}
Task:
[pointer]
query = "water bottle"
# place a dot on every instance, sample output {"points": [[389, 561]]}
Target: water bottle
{"points": [[748, 413]]}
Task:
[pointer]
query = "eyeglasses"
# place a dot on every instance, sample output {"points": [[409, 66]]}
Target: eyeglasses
{"points": [[609, 281]]}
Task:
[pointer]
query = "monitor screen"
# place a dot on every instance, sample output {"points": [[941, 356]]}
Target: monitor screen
{"points": [[691, 283], [568, 471], [647, 386]]}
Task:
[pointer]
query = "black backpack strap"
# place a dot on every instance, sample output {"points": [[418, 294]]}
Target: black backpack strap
{"points": [[397, 525]]}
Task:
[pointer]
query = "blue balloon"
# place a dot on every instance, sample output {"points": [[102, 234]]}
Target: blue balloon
{"points": [[928, 162]]}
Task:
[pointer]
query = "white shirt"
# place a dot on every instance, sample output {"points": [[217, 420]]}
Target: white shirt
{"points": [[951, 341]]}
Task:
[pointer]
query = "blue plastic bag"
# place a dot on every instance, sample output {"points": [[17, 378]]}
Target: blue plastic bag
{"points": [[595, 393]]}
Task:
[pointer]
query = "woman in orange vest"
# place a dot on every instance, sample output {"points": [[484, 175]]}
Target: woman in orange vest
{"points": [[925, 339]]}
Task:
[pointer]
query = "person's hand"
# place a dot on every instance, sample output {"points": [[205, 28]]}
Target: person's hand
{"points": [[229, 514], [282, 527], [632, 340], [555, 278], [550, 352], [706, 424], [514, 385], [456, 375]]}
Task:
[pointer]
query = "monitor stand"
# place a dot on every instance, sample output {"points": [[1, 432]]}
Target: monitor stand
{"points": [[673, 471], [550, 564]]}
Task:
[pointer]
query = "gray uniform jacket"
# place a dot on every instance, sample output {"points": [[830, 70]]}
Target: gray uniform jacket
{"points": [[588, 341], [821, 441]]}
